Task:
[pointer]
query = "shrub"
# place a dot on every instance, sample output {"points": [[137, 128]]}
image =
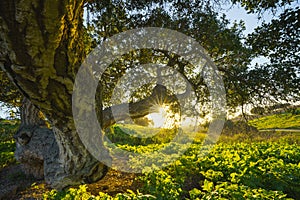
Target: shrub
{"points": [[233, 128]]}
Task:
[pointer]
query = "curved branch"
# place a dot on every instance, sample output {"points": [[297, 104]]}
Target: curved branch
{"points": [[138, 109]]}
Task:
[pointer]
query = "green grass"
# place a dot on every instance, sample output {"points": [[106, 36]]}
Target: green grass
{"points": [[7, 142], [258, 170], [139, 135], [237, 167], [242, 166], [278, 121]]}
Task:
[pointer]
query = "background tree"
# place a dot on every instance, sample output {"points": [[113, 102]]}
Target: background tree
{"points": [[198, 19], [261, 6], [277, 81], [279, 42], [9, 94]]}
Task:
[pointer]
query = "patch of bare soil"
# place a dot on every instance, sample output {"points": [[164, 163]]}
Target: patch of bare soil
{"points": [[14, 184], [115, 182]]}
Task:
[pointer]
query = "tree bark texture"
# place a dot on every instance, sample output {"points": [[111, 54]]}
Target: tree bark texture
{"points": [[34, 141], [41, 51]]}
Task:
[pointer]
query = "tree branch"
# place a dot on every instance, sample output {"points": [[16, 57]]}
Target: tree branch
{"points": [[138, 109]]}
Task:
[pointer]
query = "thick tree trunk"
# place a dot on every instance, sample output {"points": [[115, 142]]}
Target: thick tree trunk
{"points": [[40, 155], [31, 140], [41, 51]]}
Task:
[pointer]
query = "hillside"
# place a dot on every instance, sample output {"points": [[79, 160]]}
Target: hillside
{"points": [[285, 120]]}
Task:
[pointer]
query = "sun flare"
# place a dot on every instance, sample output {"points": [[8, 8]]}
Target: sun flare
{"points": [[163, 117]]}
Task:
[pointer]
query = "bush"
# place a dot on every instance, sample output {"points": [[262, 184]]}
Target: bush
{"points": [[82, 194], [233, 128], [7, 143], [258, 110], [139, 135]]}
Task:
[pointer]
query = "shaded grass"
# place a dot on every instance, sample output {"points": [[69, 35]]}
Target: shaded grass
{"points": [[7, 142]]}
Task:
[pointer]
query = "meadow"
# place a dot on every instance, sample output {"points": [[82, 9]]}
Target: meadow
{"points": [[240, 166]]}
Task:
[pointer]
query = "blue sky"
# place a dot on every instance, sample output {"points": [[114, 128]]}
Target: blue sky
{"points": [[2, 114], [237, 13], [251, 20]]}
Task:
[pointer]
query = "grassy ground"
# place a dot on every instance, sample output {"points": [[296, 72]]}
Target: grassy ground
{"points": [[284, 120], [242, 166], [260, 167]]}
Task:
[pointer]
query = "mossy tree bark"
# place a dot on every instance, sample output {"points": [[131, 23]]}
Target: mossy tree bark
{"points": [[31, 138], [41, 50]]}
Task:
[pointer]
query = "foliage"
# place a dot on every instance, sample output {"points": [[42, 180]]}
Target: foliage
{"points": [[257, 170], [237, 168], [274, 109], [274, 82], [9, 94], [143, 121], [198, 19], [263, 170], [257, 6], [233, 128], [228, 190], [241, 170], [7, 143], [258, 110], [82, 194], [278, 41], [139, 135]]}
